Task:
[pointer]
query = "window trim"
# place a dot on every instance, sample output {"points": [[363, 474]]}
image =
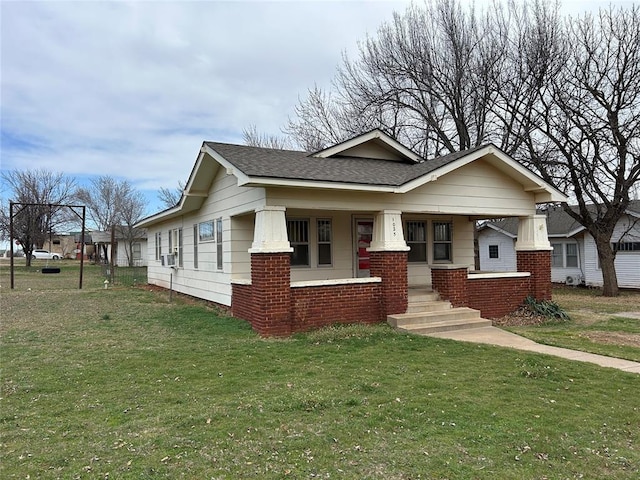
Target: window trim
{"points": [[295, 244], [566, 255], [329, 242], [448, 242], [424, 243], [209, 225]]}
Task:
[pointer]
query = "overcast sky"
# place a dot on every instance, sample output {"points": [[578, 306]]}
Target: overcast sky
{"points": [[131, 89]]}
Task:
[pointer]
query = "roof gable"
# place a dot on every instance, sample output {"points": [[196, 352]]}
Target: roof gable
{"points": [[373, 144]]}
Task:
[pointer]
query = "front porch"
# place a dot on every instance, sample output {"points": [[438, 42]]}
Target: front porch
{"points": [[276, 305]]}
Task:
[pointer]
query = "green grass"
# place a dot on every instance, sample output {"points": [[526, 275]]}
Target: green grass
{"points": [[597, 324], [120, 383]]}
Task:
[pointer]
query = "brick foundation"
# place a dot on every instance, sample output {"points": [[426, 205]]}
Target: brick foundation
{"points": [[392, 268]]}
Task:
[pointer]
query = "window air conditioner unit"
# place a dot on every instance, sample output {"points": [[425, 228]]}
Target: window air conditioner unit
{"points": [[171, 260], [573, 280]]}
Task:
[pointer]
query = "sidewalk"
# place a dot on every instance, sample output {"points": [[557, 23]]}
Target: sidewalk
{"points": [[502, 338]]}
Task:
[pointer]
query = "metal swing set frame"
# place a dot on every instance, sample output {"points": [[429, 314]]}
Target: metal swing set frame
{"points": [[22, 206]]}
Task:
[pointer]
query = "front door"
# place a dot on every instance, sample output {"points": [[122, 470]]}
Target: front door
{"points": [[363, 234]]}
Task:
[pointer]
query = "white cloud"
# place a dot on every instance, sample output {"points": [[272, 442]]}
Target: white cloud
{"points": [[133, 88]]}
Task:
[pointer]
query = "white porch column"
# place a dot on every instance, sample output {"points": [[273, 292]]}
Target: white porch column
{"points": [[532, 234], [387, 233], [270, 231]]}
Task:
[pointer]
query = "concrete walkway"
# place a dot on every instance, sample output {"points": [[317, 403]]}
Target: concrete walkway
{"points": [[502, 338]]}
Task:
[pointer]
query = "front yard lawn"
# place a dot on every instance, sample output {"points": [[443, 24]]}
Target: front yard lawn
{"points": [[120, 383], [598, 324]]}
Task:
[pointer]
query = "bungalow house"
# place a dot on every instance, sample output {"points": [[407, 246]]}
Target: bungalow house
{"points": [[574, 258], [294, 240]]}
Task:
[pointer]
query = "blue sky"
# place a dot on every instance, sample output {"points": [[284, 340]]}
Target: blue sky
{"points": [[131, 89]]}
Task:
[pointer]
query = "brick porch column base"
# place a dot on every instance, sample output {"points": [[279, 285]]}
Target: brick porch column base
{"points": [[538, 263], [271, 293], [392, 268], [451, 283]]}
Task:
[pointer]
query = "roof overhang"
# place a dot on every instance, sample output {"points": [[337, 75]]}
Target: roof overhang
{"points": [[195, 191]]}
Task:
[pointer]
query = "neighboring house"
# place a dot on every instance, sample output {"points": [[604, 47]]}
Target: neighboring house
{"points": [[574, 257], [293, 240], [124, 251], [63, 244]]}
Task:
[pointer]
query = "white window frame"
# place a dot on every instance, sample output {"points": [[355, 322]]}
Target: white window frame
{"points": [[413, 242], [196, 230], [329, 242], [207, 231], [448, 241], [296, 243]]}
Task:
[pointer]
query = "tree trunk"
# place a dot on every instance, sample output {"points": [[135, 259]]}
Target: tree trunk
{"points": [[607, 265]]}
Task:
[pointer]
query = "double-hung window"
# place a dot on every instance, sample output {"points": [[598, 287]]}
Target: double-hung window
{"points": [[494, 251], [195, 246], [417, 241], [175, 246], [556, 255], [298, 233], [442, 240], [571, 255], [158, 246], [324, 242]]}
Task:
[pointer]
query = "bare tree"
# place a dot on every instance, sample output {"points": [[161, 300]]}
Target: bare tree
{"points": [[170, 197], [253, 138], [38, 194], [110, 203], [132, 210], [583, 128], [426, 78]]}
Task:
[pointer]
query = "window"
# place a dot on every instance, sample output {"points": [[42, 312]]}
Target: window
{"points": [[137, 251], [556, 255], [442, 241], [324, 242], [219, 243], [494, 251], [158, 245], [572, 255], [417, 241], [626, 247], [175, 246], [298, 233], [206, 231], [195, 246]]}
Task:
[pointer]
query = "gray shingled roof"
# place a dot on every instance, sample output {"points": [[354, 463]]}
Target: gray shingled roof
{"points": [[294, 165], [559, 222]]}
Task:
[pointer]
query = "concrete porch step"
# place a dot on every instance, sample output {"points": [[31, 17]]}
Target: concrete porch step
{"points": [[422, 295], [428, 306], [438, 321]]}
